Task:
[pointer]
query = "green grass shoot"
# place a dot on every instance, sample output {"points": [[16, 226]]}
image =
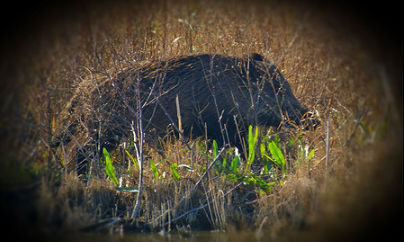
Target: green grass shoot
{"points": [[155, 170], [235, 164], [134, 161], [174, 171], [109, 168], [252, 141]]}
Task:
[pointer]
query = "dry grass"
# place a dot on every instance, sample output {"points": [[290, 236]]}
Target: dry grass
{"points": [[329, 70]]}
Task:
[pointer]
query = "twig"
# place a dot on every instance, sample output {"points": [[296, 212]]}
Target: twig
{"points": [[206, 172], [327, 144], [358, 122], [175, 126], [90, 173], [212, 90], [177, 104], [139, 144]]}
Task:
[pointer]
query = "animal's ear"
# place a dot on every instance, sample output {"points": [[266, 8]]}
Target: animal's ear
{"points": [[253, 57], [256, 57]]}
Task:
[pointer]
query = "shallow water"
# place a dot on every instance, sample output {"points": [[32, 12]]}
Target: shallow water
{"points": [[196, 236]]}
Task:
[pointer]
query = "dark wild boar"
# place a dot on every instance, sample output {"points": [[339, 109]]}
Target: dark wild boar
{"points": [[214, 92]]}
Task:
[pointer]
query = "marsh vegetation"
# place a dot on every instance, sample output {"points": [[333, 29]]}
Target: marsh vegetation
{"points": [[337, 181]]}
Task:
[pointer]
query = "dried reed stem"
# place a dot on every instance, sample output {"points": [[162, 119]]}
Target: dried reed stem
{"points": [[327, 144], [139, 144]]}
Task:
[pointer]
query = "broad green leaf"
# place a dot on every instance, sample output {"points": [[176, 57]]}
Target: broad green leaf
{"points": [[262, 150], [214, 155], [310, 155], [224, 163], [174, 171], [261, 183], [265, 158], [277, 155], [252, 140], [109, 168], [235, 164], [214, 149], [154, 170], [232, 177]]}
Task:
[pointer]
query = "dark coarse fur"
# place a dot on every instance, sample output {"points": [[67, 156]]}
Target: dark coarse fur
{"points": [[210, 88]]}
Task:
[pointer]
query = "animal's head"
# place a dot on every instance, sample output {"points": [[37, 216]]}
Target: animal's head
{"points": [[274, 101]]}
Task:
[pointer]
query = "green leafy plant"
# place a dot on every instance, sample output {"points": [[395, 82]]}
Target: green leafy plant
{"points": [[155, 170], [310, 155], [256, 181], [214, 154], [252, 141], [265, 158], [274, 156], [109, 168], [271, 157], [214, 149], [235, 164], [174, 171], [277, 156]]}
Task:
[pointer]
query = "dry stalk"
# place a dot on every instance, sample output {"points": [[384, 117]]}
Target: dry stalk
{"points": [[189, 192], [202, 206], [327, 144]]}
